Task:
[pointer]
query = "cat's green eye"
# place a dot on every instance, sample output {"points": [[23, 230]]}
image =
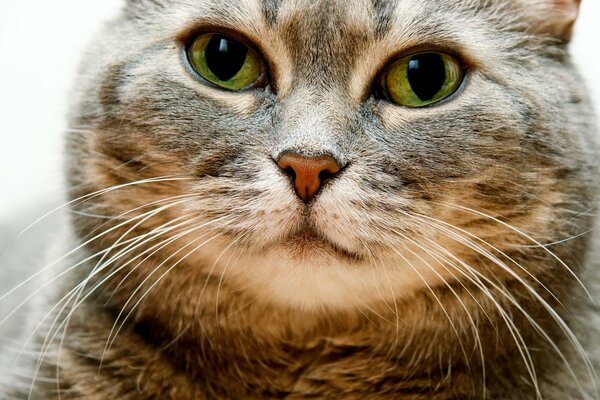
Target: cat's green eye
{"points": [[225, 62], [422, 79]]}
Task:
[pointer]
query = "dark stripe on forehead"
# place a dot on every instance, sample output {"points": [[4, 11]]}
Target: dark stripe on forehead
{"points": [[383, 13], [271, 10]]}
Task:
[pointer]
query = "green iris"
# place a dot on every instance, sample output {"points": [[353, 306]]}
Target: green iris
{"points": [[224, 61], [422, 79]]}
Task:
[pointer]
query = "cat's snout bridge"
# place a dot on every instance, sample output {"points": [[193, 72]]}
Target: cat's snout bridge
{"points": [[308, 174]]}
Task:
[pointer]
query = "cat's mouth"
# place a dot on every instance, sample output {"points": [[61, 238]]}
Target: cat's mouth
{"points": [[306, 241]]}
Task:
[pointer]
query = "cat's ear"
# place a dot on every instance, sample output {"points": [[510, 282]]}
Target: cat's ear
{"points": [[555, 17]]}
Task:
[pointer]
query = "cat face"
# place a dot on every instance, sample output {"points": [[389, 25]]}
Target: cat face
{"points": [[409, 197]]}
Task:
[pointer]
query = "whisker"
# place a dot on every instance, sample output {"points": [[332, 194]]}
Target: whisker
{"points": [[435, 296], [222, 275], [108, 277], [150, 251], [75, 290], [45, 285], [472, 245], [124, 235], [73, 251], [110, 341], [395, 311], [518, 231], [587, 232], [452, 290], [98, 193], [141, 207], [560, 322], [513, 330]]}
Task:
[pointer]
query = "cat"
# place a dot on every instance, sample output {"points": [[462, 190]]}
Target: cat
{"points": [[361, 199]]}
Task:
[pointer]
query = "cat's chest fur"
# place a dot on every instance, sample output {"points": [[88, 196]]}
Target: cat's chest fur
{"points": [[355, 359], [239, 350]]}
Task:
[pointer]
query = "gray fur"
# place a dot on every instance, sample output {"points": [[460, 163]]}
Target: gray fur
{"points": [[252, 313]]}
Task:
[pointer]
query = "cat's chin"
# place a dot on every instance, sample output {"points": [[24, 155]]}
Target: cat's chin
{"points": [[307, 244], [308, 271]]}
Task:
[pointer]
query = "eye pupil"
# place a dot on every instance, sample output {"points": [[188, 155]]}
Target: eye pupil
{"points": [[426, 74], [225, 57]]}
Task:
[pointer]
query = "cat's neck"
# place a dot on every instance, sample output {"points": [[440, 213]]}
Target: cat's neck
{"points": [[395, 349]]}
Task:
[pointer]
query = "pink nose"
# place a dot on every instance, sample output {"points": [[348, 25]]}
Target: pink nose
{"points": [[308, 173]]}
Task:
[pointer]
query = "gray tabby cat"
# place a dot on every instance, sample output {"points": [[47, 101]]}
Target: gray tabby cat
{"points": [[326, 199]]}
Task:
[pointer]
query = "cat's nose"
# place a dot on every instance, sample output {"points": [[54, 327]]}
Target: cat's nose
{"points": [[308, 173]]}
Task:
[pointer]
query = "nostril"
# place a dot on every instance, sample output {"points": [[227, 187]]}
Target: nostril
{"points": [[290, 171], [325, 175]]}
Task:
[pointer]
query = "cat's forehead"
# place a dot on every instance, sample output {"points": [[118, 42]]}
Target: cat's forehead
{"points": [[375, 15], [275, 12], [314, 17]]}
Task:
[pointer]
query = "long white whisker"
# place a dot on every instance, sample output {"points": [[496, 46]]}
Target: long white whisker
{"points": [[46, 284], [395, 311], [518, 231], [98, 193], [51, 337], [124, 235], [435, 296], [161, 245], [233, 243], [443, 226], [160, 230], [440, 261], [110, 341], [587, 232], [449, 287], [141, 207], [569, 334], [71, 252], [560, 322], [513, 330]]}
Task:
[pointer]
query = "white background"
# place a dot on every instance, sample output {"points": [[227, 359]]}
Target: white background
{"points": [[40, 43]]}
